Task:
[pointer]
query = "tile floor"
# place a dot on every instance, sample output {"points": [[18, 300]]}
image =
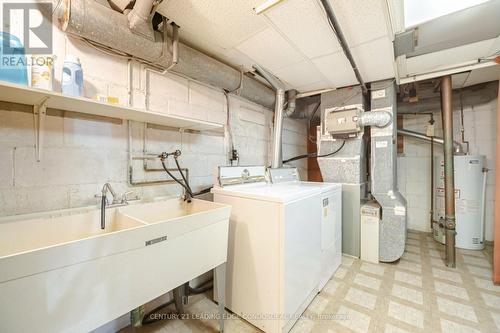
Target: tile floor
{"points": [[416, 294]]}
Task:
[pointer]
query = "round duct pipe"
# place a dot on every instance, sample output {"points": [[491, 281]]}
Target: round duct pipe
{"points": [[104, 26]]}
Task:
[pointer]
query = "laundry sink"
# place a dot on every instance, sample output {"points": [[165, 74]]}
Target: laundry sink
{"points": [[32, 234], [73, 276]]}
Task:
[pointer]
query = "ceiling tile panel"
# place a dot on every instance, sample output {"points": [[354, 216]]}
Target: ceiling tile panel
{"points": [[304, 23], [302, 73], [337, 69], [361, 20], [223, 23], [323, 84], [375, 59], [269, 49]]}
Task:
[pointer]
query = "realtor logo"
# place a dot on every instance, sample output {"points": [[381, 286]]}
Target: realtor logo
{"points": [[29, 24]]}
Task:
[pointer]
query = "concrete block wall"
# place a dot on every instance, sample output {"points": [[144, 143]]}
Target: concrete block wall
{"points": [[414, 165], [79, 156]]}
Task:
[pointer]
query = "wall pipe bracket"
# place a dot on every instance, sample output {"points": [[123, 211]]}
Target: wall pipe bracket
{"points": [[39, 114]]}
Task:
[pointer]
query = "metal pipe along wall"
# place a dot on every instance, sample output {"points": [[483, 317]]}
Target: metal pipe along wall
{"points": [[449, 179], [496, 249]]}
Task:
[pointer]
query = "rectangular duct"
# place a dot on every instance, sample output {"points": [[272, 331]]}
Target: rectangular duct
{"points": [[348, 166], [392, 232]]}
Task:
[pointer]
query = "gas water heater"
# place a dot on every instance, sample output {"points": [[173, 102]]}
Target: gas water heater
{"points": [[470, 190]]}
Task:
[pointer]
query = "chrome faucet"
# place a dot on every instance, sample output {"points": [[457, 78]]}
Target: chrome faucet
{"points": [[118, 200]]}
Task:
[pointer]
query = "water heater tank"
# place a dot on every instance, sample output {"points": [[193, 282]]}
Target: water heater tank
{"points": [[469, 200]]}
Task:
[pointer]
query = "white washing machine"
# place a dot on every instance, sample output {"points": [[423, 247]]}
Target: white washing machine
{"points": [[331, 218], [274, 255]]}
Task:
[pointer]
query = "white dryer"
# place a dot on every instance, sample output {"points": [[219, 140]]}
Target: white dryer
{"points": [[284, 243], [331, 218], [274, 255]]}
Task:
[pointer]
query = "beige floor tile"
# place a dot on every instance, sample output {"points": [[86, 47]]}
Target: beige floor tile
{"points": [[406, 314], [436, 253], [496, 319], [361, 298], [448, 326], [408, 294], [413, 249], [372, 268], [486, 284], [356, 321], [393, 329], [480, 271], [341, 272], [456, 309], [411, 257], [331, 287], [469, 260], [491, 300], [450, 290], [411, 241], [347, 261], [446, 275], [410, 266], [410, 278], [367, 281]]}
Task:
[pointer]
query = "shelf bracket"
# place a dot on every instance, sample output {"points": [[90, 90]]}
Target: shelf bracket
{"points": [[39, 114]]}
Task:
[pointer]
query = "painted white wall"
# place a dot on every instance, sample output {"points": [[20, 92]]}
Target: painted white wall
{"points": [[79, 156], [414, 164]]}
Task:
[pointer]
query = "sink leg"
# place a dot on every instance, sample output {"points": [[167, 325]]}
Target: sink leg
{"points": [[178, 296], [220, 276]]}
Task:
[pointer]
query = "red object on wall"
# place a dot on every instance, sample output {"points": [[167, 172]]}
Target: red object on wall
{"points": [[313, 171]]}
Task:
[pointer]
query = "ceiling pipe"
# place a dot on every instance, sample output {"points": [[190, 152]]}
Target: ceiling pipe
{"points": [[334, 24], [457, 147], [139, 18], [277, 157], [449, 177], [291, 102], [103, 26]]}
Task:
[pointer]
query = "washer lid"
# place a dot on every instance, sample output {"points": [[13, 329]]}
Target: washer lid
{"points": [[282, 193]]}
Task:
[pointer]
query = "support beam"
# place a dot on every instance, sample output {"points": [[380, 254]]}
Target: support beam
{"points": [[449, 179], [496, 246]]}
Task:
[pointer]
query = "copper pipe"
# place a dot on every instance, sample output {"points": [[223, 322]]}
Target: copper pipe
{"points": [[449, 179]]}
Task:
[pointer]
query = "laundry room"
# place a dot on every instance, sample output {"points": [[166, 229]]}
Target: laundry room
{"points": [[249, 166]]}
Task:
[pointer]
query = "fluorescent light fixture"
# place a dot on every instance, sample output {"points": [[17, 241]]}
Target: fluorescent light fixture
{"points": [[419, 11], [265, 6]]}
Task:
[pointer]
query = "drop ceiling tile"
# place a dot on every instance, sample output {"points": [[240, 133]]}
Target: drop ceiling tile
{"points": [[304, 23], [458, 80], [223, 23], [361, 20], [438, 60], [323, 84], [375, 59], [270, 50], [481, 75], [299, 74], [336, 68]]}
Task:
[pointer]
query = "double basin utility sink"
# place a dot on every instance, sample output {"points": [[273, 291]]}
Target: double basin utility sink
{"points": [[65, 273]]}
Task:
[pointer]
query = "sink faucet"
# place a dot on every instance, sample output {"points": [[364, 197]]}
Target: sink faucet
{"points": [[118, 200]]}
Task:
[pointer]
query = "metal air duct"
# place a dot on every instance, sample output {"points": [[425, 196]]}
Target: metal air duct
{"points": [[277, 157], [104, 26], [392, 229]]}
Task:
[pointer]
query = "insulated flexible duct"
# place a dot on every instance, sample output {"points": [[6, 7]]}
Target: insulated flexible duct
{"points": [[104, 26]]}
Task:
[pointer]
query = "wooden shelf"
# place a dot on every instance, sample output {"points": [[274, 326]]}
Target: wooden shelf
{"points": [[18, 94]]}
